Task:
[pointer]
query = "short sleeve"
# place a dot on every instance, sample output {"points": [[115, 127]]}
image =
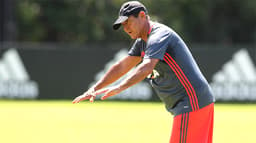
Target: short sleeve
{"points": [[157, 45], [136, 48]]}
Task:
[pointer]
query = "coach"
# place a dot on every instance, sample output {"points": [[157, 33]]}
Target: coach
{"points": [[160, 54]]}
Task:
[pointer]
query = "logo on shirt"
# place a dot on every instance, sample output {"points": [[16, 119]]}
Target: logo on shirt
{"points": [[14, 78], [142, 54], [237, 78], [154, 74], [185, 107]]}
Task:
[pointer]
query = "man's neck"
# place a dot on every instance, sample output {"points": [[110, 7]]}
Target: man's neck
{"points": [[145, 31]]}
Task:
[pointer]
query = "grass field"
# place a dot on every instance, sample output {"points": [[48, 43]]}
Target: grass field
{"points": [[111, 122]]}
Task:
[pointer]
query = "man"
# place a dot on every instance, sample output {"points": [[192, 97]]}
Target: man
{"points": [[161, 55]]}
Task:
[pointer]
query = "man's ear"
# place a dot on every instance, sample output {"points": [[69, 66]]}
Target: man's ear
{"points": [[142, 14]]}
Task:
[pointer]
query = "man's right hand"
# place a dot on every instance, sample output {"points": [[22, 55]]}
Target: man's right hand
{"points": [[90, 94], [87, 95]]}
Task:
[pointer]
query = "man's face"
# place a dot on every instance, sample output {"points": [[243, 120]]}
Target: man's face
{"points": [[132, 26]]}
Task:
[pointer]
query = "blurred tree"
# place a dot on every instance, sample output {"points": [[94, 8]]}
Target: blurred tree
{"points": [[85, 21], [7, 21], [66, 20], [207, 21]]}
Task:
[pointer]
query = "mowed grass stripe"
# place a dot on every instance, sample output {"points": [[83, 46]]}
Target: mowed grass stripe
{"points": [[111, 122]]}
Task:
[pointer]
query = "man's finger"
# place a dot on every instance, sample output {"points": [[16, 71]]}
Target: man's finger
{"points": [[105, 96], [76, 100], [101, 91], [92, 98], [80, 98], [97, 93]]}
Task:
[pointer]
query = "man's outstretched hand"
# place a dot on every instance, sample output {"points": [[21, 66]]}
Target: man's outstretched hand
{"points": [[91, 94]]}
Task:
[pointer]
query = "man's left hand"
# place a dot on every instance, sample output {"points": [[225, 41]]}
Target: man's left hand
{"points": [[110, 91]]}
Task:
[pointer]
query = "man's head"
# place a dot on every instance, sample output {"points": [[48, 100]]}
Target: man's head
{"points": [[132, 16]]}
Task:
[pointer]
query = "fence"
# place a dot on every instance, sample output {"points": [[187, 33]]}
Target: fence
{"points": [[64, 71]]}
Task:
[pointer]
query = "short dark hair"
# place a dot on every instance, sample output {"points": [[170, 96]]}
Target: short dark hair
{"points": [[136, 14]]}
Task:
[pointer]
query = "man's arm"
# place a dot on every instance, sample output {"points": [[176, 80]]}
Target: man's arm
{"points": [[140, 73], [117, 70], [114, 73]]}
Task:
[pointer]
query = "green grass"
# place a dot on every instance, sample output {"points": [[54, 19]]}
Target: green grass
{"points": [[111, 122]]}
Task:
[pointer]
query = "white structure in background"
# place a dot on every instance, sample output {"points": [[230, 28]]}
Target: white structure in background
{"points": [[140, 91], [237, 79], [14, 79]]}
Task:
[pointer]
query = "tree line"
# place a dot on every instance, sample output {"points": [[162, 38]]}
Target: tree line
{"points": [[90, 21]]}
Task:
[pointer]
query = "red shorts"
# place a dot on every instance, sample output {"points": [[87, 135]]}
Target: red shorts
{"points": [[194, 127]]}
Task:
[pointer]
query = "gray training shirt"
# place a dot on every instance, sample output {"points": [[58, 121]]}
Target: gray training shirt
{"points": [[176, 78]]}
